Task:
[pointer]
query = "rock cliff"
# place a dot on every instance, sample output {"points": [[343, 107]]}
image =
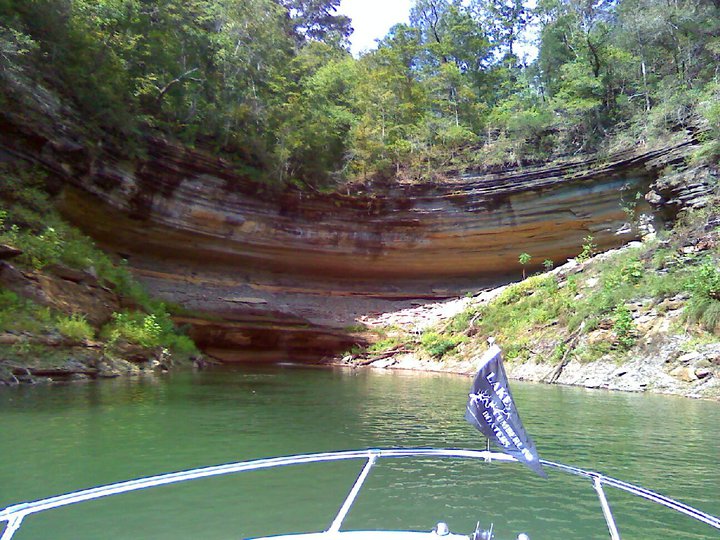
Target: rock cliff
{"points": [[267, 272]]}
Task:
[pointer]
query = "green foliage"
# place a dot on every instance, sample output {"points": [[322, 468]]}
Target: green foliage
{"points": [[29, 222], [20, 315], [704, 286], [384, 344], [623, 327], [356, 328], [558, 353], [438, 345], [705, 281], [520, 310], [589, 249], [147, 330], [270, 84], [133, 327], [10, 305], [75, 327], [524, 259], [709, 107], [622, 278], [540, 306], [528, 287], [461, 322], [627, 270], [592, 351]]}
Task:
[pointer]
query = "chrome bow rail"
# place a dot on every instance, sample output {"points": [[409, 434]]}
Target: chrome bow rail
{"points": [[13, 515]]}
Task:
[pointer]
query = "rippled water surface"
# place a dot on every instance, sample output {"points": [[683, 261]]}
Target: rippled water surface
{"points": [[63, 438]]}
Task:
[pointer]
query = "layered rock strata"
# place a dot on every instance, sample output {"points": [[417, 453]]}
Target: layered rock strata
{"points": [[285, 271], [186, 205]]}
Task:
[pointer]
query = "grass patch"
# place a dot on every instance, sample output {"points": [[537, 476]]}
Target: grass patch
{"points": [[356, 328], [521, 308], [20, 315], [385, 344], [438, 345], [75, 327]]}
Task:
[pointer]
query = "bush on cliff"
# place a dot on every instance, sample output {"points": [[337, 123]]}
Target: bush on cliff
{"points": [[704, 305], [148, 330], [75, 327]]}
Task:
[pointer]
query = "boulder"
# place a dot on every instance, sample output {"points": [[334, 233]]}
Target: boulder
{"points": [[684, 373]]}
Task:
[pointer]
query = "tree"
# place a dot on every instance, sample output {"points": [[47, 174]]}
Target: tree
{"points": [[524, 259], [318, 20], [314, 136], [391, 102], [504, 19]]}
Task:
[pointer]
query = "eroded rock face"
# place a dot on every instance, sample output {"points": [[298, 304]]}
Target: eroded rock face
{"points": [[187, 205], [200, 234]]}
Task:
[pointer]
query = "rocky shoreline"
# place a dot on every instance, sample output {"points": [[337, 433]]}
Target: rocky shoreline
{"points": [[667, 358], [694, 375], [272, 270], [59, 360]]}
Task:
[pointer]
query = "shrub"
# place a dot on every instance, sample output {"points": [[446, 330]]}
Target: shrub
{"points": [[138, 328], [588, 249], [21, 315], [75, 327], [558, 352], [43, 249], [704, 286], [384, 344], [438, 345], [180, 345], [8, 299], [9, 305], [461, 321], [148, 330], [624, 327], [705, 281], [710, 319]]}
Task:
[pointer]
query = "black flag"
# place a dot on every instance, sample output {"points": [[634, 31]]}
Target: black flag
{"points": [[491, 409]]}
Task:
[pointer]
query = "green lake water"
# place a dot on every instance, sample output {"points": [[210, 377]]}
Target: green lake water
{"points": [[62, 438]]}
